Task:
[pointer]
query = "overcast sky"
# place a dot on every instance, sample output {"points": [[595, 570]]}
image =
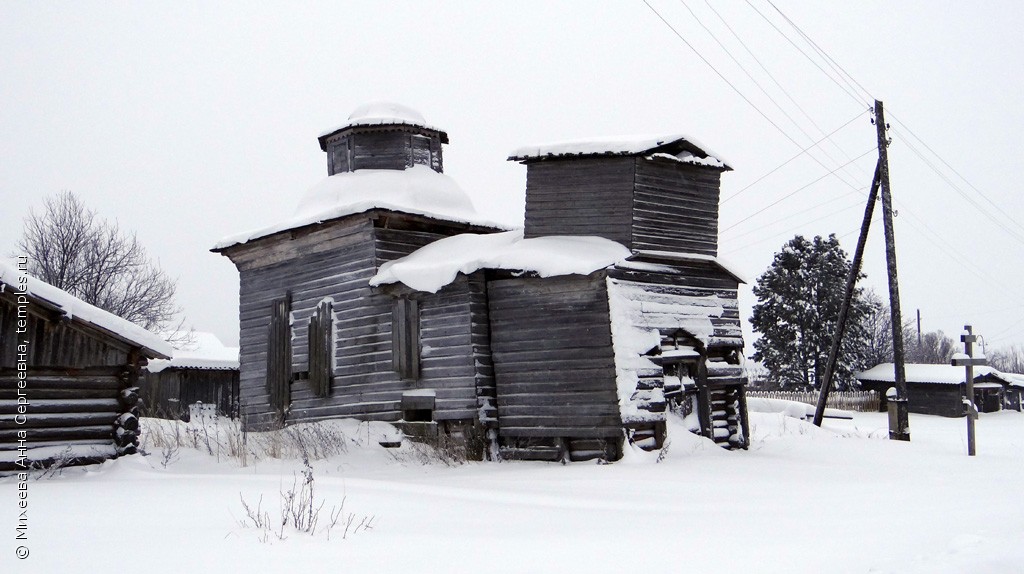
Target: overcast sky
{"points": [[187, 122]]}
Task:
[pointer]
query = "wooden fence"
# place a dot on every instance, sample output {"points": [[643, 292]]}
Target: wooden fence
{"points": [[857, 401]]}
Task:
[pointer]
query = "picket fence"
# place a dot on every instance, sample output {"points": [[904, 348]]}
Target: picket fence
{"points": [[857, 401]]}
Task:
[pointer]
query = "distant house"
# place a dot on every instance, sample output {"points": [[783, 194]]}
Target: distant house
{"points": [[68, 376], [939, 389], [201, 371], [1012, 386], [387, 297]]}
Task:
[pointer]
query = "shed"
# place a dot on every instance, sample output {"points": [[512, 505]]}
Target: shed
{"points": [[201, 371], [68, 375], [939, 389], [387, 297]]}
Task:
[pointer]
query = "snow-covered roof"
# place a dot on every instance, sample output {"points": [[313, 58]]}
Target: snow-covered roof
{"points": [[75, 309], [685, 148], [198, 350], [917, 373], [417, 190], [432, 267], [382, 113]]}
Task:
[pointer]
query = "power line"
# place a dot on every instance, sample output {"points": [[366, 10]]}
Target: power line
{"points": [[794, 192], [964, 195], [772, 77], [785, 163], [749, 102], [720, 75], [792, 215], [763, 67], [809, 59], [951, 168], [843, 74], [758, 85]]}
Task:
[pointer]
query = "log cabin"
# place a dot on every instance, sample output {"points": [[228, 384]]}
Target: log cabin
{"points": [[68, 376], [387, 297]]}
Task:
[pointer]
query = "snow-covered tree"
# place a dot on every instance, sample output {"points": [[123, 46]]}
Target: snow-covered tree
{"points": [[799, 298]]}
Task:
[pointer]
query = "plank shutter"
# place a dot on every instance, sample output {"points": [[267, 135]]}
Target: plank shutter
{"points": [[321, 349], [405, 338], [279, 355]]}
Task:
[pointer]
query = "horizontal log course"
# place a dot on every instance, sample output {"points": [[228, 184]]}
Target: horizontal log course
{"points": [[106, 431], [59, 420], [47, 406]]}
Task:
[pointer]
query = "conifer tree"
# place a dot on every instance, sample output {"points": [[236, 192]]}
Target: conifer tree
{"points": [[799, 298]]}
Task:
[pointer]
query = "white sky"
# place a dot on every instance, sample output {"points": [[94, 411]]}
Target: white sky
{"points": [[188, 122]]}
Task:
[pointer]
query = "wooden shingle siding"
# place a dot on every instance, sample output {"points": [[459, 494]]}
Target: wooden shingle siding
{"points": [[580, 197], [675, 207], [553, 360]]}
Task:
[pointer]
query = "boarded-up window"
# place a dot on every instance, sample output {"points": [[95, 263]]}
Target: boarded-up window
{"points": [[419, 150], [321, 349], [405, 338], [279, 354], [339, 156]]}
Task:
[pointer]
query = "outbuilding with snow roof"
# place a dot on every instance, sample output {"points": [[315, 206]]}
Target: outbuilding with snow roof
{"points": [[939, 389], [201, 373], [68, 376]]}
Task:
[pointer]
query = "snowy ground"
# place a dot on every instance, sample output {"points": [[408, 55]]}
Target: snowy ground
{"points": [[802, 499]]}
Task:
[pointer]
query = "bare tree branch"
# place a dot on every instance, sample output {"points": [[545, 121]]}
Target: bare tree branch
{"points": [[70, 247]]}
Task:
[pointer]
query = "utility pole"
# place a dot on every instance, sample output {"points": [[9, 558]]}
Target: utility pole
{"points": [[968, 361], [899, 420], [918, 327]]}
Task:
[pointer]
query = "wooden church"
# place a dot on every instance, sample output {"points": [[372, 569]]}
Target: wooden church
{"points": [[387, 297]]}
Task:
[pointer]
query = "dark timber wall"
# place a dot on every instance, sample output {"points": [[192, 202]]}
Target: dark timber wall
{"points": [[675, 207], [169, 393], [336, 261], [645, 204], [588, 196], [553, 358], [939, 399], [77, 385], [383, 147]]}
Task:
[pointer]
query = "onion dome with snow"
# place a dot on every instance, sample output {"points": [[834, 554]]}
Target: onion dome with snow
{"points": [[385, 157]]}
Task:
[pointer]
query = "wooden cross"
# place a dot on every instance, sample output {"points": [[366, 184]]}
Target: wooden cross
{"points": [[968, 361]]}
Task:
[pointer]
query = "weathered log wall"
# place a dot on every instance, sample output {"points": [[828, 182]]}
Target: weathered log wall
{"points": [[364, 383], [553, 360]]}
